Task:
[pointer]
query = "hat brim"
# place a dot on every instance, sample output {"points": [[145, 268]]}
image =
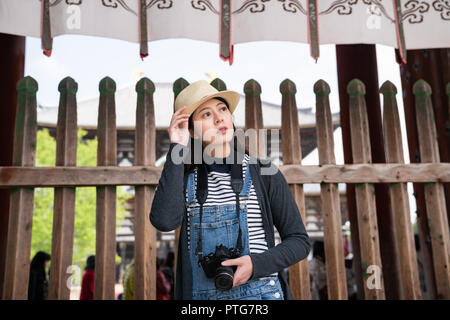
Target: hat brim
{"points": [[232, 97]]}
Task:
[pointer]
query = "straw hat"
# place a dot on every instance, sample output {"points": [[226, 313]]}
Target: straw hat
{"points": [[200, 91]]}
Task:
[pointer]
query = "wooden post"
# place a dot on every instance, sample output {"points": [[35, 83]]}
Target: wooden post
{"points": [[447, 128], [433, 66], [360, 61], [219, 84], [329, 194], [365, 195], [145, 233], [178, 86], [64, 199], [17, 267], [106, 196], [409, 279], [254, 120], [447, 125], [434, 191], [292, 154], [12, 60]]}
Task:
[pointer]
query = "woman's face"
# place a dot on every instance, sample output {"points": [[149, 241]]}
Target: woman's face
{"points": [[209, 117]]}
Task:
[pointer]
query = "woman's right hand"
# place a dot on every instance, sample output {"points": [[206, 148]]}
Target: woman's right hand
{"points": [[177, 134]]}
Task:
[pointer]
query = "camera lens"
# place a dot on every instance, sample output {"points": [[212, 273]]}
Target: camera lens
{"points": [[224, 278]]}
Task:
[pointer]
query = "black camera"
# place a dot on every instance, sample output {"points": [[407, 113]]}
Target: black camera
{"points": [[212, 266]]}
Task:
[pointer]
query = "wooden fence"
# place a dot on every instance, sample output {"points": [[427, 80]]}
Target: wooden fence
{"points": [[23, 177]]}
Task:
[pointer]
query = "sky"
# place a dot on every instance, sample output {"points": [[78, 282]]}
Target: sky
{"points": [[88, 59], [173, 58]]}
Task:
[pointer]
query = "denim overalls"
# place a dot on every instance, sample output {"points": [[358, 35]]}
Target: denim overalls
{"points": [[220, 226]]}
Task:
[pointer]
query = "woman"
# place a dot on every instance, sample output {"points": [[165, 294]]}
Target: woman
{"points": [[205, 116], [38, 282], [162, 285], [318, 272], [87, 282]]}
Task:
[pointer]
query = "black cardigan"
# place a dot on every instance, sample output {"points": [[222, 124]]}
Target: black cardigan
{"points": [[278, 208]]}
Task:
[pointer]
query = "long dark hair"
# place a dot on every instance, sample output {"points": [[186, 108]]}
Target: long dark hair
{"points": [[319, 250], [90, 263], [189, 167], [170, 259], [38, 262]]}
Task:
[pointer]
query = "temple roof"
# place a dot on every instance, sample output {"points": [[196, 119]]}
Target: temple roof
{"points": [[87, 111]]}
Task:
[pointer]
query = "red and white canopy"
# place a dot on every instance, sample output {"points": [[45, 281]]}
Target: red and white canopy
{"points": [[402, 24]]}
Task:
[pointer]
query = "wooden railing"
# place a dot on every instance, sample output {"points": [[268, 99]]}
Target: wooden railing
{"points": [[23, 177]]}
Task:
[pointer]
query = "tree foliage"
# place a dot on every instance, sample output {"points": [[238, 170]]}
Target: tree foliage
{"points": [[85, 203]]}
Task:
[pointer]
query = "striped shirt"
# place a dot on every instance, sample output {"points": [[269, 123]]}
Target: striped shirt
{"points": [[220, 192]]}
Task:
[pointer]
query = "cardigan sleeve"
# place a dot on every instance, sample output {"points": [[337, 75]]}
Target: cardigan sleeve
{"points": [[295, 243], [168, 204]]}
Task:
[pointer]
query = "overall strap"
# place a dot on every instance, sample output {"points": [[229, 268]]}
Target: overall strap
{"points": [[237, 184], [202, 194]]}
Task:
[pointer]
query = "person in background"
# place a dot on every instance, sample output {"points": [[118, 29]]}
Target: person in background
{"points": [[128, 282], [38, 282], [318, 272], [162, 285], [350, 275], [168, 271], [423, 286], [87, 283]]}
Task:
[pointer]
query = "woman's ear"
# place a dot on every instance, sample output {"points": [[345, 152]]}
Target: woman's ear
{"points": [[191, 128]]}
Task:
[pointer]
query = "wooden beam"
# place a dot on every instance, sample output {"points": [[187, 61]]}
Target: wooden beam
{"points": [[149, 175]]}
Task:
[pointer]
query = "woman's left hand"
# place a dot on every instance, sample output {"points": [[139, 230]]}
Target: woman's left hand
{"points": [[244, 269]]}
